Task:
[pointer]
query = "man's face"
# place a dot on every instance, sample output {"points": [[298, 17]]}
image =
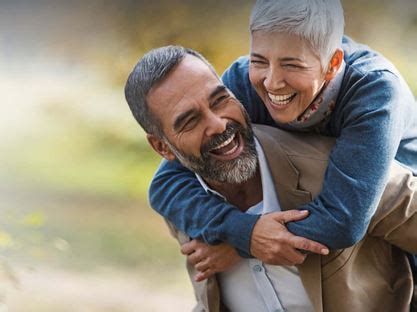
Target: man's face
{"points": [[204, 126], [285, 73]]}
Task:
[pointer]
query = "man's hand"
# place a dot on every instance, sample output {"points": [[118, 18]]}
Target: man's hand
{"points": [[209, 260], [273, 244]]}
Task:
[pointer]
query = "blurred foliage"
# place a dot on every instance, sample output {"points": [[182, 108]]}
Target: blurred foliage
{"points": [[86, 234], [76, 156], [114, 35], [110, 36]]}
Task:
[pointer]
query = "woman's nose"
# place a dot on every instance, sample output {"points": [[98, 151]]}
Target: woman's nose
{"points": [[274, 80]]}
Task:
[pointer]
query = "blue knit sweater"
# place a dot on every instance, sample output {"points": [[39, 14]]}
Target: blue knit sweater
{"points": [[374, 121]]}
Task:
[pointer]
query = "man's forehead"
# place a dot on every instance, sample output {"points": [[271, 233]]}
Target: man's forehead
{"points": [[194, 63], [191, 70], [189, 81], [190, 76]]}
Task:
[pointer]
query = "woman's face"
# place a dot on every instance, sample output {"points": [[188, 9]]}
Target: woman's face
{"points": [[285, 73]]}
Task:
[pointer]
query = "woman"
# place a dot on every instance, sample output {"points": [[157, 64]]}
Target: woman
{"points": [[303, 75]]}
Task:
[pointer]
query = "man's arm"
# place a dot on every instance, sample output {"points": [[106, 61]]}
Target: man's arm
{"points": [[396, 217]]}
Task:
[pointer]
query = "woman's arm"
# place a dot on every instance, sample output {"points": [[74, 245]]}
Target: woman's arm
{"points": [[372, 119], [372, 116], [177, 195]]}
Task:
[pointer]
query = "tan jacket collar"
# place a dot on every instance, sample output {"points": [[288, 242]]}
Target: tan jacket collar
{"points": [[286, 178], [284, 174]]}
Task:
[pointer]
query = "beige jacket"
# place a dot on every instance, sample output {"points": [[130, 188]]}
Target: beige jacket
{"points": [[374, 274]]}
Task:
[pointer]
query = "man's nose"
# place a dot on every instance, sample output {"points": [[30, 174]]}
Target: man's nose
{"points": [[215, 125], [274, 79]]}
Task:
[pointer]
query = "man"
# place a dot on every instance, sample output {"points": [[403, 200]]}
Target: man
{"points": [[189, 115]]}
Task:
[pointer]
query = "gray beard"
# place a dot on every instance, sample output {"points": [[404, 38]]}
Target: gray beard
{"points": [[233, 171]]}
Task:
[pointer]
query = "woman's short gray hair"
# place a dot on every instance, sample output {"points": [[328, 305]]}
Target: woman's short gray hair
{"points": [[320, 22]]}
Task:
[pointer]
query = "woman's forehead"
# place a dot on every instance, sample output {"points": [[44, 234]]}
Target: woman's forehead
{"points": [[281, 45]]}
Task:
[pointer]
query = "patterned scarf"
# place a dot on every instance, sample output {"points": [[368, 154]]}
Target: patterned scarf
{"points": [[316, 115]]}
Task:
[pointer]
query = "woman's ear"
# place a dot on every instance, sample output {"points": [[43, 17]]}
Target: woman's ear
{"points": [[160, 147], [334, 65]]}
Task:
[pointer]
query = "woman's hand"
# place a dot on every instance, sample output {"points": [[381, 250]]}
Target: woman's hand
{"points": [[273, 244], [209, 260]]}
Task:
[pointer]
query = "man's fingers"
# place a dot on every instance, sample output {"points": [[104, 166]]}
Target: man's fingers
{"points": [[201, 276], [189, 247], [289, 215], [308, 245]]}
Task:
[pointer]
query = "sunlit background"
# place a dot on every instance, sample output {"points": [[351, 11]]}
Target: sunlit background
{"points": [[76, 231]]}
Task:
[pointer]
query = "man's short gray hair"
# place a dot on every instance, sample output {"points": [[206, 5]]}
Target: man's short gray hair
{"points": [[320, 22], [151, 69]]}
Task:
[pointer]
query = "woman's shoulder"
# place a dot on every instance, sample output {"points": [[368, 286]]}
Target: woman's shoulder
{"points": [[373, 76], [238, 69], [360, 59]]}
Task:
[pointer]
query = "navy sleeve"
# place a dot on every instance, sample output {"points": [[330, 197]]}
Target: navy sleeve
{"points": [[177, 195], [372, 122]]}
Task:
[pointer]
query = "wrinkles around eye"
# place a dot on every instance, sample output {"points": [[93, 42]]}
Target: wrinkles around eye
{"points": [[189, 125]]}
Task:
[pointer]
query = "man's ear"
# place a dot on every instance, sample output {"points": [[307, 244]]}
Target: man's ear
{"points": [[334, 64], [160, 147]]}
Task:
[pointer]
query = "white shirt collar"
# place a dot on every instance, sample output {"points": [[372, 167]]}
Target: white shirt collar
{"points": [[270, 201]]}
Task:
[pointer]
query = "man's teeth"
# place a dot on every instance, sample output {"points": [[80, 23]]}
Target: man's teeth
{"points": [[225, 143], [281, 99]]}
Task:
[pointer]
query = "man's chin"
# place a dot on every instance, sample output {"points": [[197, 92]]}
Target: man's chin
{"points": [[236, 171]]}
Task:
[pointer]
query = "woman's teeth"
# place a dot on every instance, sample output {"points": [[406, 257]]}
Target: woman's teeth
{"points": [[281, 99]]}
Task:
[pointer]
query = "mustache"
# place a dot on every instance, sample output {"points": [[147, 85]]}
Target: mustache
{"points": [[231, 129]]}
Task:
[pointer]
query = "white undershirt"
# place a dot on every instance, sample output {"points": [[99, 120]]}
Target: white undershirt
{"points": [[252, 285]]}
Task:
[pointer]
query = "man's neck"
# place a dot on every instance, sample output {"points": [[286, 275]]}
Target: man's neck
{"points": [[243, 195]]}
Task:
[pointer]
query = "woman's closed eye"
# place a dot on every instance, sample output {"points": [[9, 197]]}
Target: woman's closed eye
{"points": [[258, 62], [292, 66]]}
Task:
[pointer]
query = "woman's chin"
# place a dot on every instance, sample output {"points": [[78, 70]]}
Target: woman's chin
{"points": [[282, 114], [282, 117]]}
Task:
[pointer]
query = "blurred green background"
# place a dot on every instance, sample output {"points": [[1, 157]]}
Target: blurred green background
{"points": [[76, 231]]}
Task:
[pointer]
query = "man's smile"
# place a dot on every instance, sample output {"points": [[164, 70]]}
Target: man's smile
{"points": [[229, 149]]}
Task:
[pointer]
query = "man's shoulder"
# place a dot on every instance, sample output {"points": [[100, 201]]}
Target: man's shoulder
{"points": [[293, 144], [298, 159]]}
